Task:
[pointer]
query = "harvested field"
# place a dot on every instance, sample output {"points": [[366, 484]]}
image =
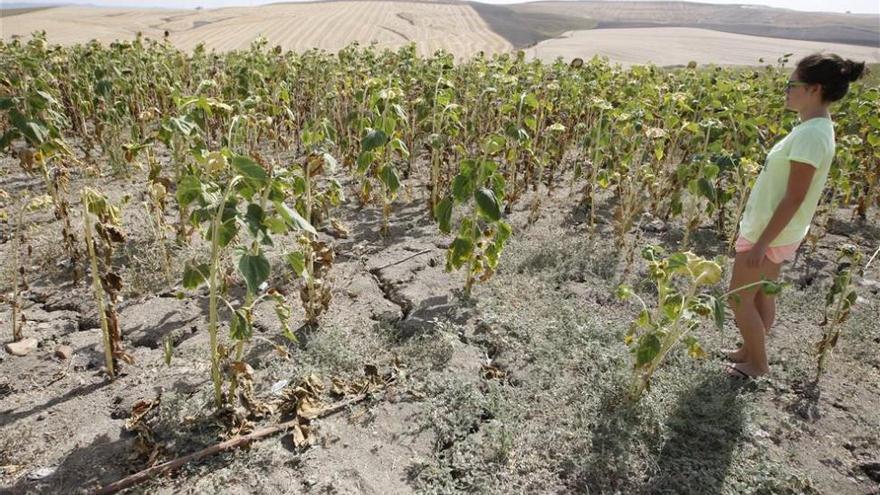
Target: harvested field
{"points": [[678, 46], [857, 29], [456, 28]]}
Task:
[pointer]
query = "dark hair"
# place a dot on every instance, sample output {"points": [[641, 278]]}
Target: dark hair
{"points": [[831, 71]]}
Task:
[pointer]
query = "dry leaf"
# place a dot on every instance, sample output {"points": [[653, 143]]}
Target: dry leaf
{"points": [[491, 372], [139, 410], [242, 368], [301, 436], [309, 408]]}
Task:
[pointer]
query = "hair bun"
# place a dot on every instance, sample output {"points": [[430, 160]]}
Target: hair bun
{"points": [[852, 70]]}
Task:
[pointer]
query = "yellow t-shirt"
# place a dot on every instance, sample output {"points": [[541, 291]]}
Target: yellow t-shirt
{"points": [[811, 142]]}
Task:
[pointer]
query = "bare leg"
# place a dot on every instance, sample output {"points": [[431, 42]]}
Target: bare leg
{"points": [[753, 332], [767, 307], [750, 320]]}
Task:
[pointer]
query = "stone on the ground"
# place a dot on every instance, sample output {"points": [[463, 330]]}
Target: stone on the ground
{"points": [[41, 473], [64, 352], [656, 226], [23, 347]]}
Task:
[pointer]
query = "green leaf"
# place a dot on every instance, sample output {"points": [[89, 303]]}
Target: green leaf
{"points": [[649, 347], [189, 189], [195, 275], [706, 189], [462, 187], [388, 176], [388, 125], [33, 131], [623, 292], [228, 231], [443, 214], [364, 160], [487, 204], [485, 169], [282, 311], [374, 139], [7, 138], [254, 219], [104, 87], [293, 218], [502, 234], [677, 261], [492, 255], [255, 270], [694, 349], [602, 179], [771, 287], [498, 185], [400, 146], [240, 326], [718, 312], [251, 171], [181, 125], [644, 319], [459, 252], [707, 272], [672, 305], [299, 186], [710, 171], [493, 144], [297, 262], [276, 225]]}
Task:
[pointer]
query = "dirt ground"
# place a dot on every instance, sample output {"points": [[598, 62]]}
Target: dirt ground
{"points": [[518, 389]]}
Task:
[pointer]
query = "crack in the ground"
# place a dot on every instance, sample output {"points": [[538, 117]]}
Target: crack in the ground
{"points": [[84, 321], [392, 293], [55, 306]]}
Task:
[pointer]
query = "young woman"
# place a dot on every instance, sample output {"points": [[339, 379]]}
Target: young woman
{"points": [[782, 203]]}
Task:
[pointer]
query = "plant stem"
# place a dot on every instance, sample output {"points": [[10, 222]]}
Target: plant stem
{"points": [[671, 339], [16, 284], [310, 258], [214, 294], [98, 290], [829, 334], [594, 173]]}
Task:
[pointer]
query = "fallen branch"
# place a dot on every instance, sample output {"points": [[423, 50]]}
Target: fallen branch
{"points": [[232, 443], [426, 251], [872, 258]]}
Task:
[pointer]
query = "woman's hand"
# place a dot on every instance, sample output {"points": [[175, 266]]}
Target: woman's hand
{"points": [[755, 256]]}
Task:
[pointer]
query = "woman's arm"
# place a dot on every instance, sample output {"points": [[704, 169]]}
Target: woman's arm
{"points": [[799, 179]]}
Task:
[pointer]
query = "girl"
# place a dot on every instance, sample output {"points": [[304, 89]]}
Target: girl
{"points": [[782, 203]]}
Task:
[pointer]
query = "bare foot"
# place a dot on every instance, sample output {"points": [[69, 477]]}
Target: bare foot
{"points": [[745, 370], [737, 356]]}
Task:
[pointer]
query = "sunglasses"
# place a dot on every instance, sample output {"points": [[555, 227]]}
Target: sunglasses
{"points": [[794, 84]]}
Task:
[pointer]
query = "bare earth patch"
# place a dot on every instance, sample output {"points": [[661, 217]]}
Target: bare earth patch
{"points": [[520, 388]]}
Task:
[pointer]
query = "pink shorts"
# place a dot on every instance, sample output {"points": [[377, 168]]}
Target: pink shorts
{"points": [[776, 254]]}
